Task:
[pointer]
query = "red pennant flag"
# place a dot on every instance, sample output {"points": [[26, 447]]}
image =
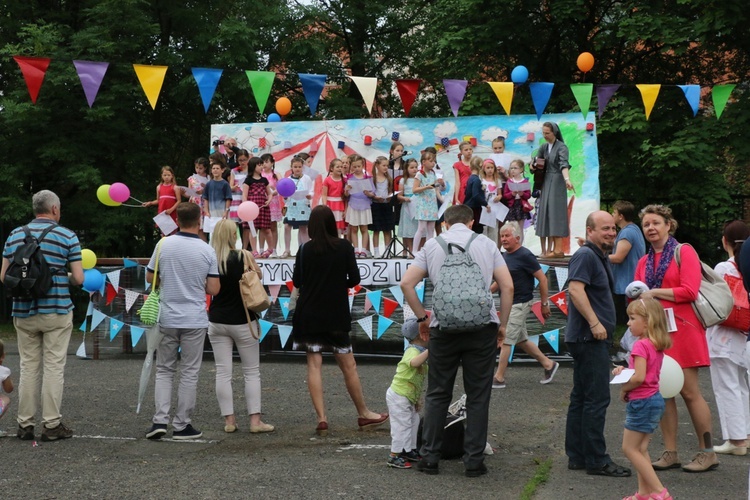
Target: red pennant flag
{"points": [[537, 308], [355, 290], [407, 90], [208, 301], [559, 300], [33, 69], [290, 285], [389, 305], [111, 293]]}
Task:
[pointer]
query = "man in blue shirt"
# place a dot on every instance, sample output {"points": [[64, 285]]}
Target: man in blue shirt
{"points": [[44, 324], [629, 248]]}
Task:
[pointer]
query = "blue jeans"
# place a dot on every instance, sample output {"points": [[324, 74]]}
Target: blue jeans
{"points": [[589, 399]]}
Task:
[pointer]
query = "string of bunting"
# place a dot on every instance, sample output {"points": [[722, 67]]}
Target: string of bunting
{"points": [[151, 79]]}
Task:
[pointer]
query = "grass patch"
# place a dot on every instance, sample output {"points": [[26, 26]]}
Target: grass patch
{"points": [[541, 475]]}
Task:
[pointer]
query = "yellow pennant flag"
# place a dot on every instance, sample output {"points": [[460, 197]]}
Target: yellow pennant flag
{"points": [[649, 93], [151, 78], [366, 86], [504, 93]]}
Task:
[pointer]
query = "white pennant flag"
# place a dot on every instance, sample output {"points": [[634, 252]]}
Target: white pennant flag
{"points": [[81, 352], [562, 277], [114, 278], [408, 313], [366, 324], [130, 298], [351, 302], [366, 86]]}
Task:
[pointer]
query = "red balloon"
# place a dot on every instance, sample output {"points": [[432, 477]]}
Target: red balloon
{"points": [[248, 211], [585, 62]]}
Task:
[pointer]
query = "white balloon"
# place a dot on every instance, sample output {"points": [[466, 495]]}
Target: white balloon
{"points": [[671, 378]]}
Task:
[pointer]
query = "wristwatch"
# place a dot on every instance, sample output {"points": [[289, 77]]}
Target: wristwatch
{"points": [[422, 319], [545, 304]]}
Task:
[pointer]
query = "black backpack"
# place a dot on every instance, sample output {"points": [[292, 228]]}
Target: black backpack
{"points": [[28, 275]]}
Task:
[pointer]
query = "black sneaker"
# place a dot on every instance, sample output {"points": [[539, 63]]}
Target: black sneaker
{"points": [[476, 472], [398, 463], [59, 432], [430, 468], [187, 433], [156, 431], [411, 456], [25, 433]]}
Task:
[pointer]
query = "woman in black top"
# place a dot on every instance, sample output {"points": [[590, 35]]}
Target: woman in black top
{"points": [[228, 325], [325, 268]]}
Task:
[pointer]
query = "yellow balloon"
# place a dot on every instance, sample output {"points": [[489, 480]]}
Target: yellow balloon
{"points": [[103, 194], [88, 258]]}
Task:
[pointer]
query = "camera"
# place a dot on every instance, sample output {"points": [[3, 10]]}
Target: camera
{"points": [[218, 142]]}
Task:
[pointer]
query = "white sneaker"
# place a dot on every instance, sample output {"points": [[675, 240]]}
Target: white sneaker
{"points": [[377, 254], [273, 255], [285, 255], [729, 449]]}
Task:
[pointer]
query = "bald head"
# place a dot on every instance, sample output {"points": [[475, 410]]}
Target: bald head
{"points": [[600, 230]]}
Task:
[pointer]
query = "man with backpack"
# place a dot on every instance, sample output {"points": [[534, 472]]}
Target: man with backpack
{"points": [[464, 329], [34, 271]]}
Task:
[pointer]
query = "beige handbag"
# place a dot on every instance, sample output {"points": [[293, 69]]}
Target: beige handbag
{"points": [[254, 296]]}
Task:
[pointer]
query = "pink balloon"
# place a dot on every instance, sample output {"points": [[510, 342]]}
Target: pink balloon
{"points": [[248, 211], [119, 192], [286, 187]]}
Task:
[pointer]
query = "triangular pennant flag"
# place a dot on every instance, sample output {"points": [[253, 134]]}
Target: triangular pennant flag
{"points": [[582, 92], [553, 337], [374, 297], [130, 298], [114, 328], [263, 313], [261, 83], [151, 78], [512, 351], [406, 343], [368, 304], [544, 267], [367, 85], [96, 318], [562, 276], [693, 96], [383, 324], [420, 290], [540, 94], [560, 301], [649, 93], [355, 290], [129, 263], [290, 286], [90, 308], [366, 324], [312, 86], [603, 94], [397, 294], [284, 304], [351, 302], [389, 306], [534, 339], [274, 289], [103, 288], [33, 70], [284, 332], [146, 284], [455, 90], [81, 352], [83, 327], [207, 80], [720, 96], [91, 75], [407, 91], [114, 278], [111, 293], [504, 93], [408, 312], [136, 333], [265, 327], [536, 308]]}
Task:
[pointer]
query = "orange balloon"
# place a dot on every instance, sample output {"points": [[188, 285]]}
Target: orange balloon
{"points": [[283, 106], [585, 62]]}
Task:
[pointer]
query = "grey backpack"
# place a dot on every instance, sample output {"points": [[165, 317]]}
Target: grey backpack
{"points": [[461, 300]]}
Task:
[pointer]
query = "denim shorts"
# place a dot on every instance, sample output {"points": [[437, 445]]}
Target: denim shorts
{"points": [[643, 415]]}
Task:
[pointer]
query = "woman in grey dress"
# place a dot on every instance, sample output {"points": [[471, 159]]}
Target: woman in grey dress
{"points": [[552, 216]]}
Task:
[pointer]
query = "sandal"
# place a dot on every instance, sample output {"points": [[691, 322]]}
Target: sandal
{"points": [[636, 496], [265, 254], [611, 469]]}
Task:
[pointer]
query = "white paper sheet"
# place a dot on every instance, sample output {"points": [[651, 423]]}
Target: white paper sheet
{"points": [[487, 218], [671, 323], [443, 207], [502, 159], [300, 195], [625, 375], [518, 186], [499, 210], [209, 223], [165, 223]]}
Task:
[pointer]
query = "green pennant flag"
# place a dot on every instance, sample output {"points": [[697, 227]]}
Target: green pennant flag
{"points": [[582, 93], [261, 83], [720, 96]]}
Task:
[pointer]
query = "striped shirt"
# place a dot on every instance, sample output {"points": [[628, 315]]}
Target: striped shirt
{"points": [[59, 247], [185, 262]]}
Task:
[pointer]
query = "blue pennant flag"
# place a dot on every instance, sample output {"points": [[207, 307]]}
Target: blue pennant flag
{"points": [[129, 263], [375, 299], [114, 328], [312, 87], [83, 326], [146, 284], [97, 317], [383, 324], [553, 337], [534, 339], [265, 327], [284, 304], [693, 96], [397, 294], [284, 332], [207, 80], [406, 343], [90, 308], [540, 94], [135, 334], [512, 350], [545, 268], [420, 290]]}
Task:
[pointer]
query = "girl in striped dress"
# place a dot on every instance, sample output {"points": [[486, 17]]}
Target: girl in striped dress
{"points": [[256, 189], [333, 192]]}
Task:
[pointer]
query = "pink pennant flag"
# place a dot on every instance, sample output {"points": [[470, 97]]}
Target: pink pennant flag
{"points": [[274, 289], [536, 307], [91, 74], [368, 304]]}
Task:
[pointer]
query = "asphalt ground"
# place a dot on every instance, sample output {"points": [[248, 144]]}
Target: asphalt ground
{"points": [[109, 456]]}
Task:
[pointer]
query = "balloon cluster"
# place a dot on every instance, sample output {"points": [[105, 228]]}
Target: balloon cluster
{"points": [[113, 195], [92, 279], [520, 74], [283, 108]]}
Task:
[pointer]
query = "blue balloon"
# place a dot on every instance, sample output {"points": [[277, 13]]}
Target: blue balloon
{"points": [[92, 280], [447, 188], [519, 74], [274, 117]]}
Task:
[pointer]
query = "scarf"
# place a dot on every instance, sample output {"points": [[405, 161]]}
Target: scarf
{"points": [[654, 277]]}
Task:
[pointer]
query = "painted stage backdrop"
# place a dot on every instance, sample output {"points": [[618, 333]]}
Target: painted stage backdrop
{"points": [[370, 138]]}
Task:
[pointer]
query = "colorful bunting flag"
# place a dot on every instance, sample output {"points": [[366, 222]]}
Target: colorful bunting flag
{"points": [[553, 337], [649, 93], [455, 90], [389, 305], [512, 351], [289, 285], [406, 343], [582, 92], [285, 331], [81, 352], [366, 324], [96, 318], [351, 302], [603, 94], [207, 80], [562, 276], [152, 79], [540, 94], [693, 96], [407, 91], [397, 294], [83, 327], [383, 324], [90, 308], [420, 290], [368, 304], [560, 301], [129, 263], [91, 75], [33, 70], [408, 312], [261, 83], [504, 93], [274, 289], [114, 328], [130, 298], [374, 297], [312, 86], [265, 327], [367, 86], [114, 278], [111, 293], [534, 339], [284, 304], [720, 96], [135, 334], [536, 308]]}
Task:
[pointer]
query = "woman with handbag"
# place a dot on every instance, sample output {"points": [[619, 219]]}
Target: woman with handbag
{"points": [[324, 270], [675, 283], [552, 214], [730, 357], [230, 323]]}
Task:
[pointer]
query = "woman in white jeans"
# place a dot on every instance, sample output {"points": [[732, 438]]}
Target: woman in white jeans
{"points": [[228, 326]]}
